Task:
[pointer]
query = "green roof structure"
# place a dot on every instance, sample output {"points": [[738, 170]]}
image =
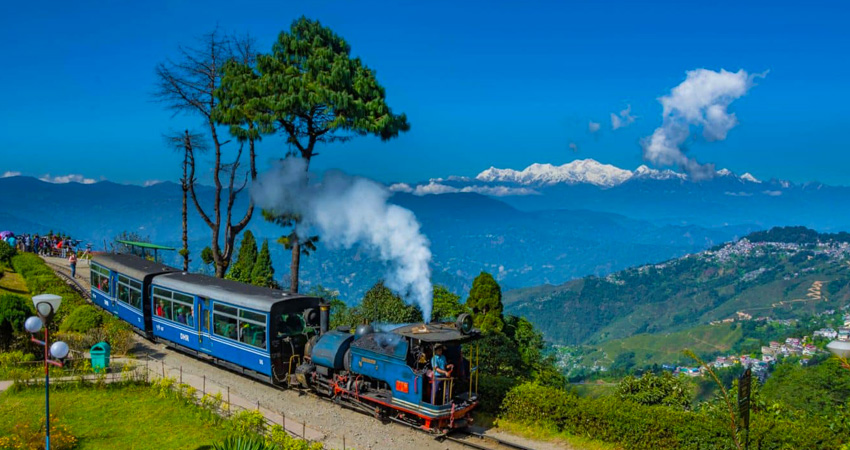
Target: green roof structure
{"points": [[144, 247]]}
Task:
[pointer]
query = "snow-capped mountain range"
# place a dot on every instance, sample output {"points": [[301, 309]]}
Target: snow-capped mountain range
{"points": [[587, 171], [511, 182]]}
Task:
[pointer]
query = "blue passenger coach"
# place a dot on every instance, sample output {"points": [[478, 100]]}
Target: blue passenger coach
{"points": [[119, 283], [257, 331]]}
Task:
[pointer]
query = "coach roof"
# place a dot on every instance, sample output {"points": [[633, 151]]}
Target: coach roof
{"points": [[229, 291], [131, 265]]}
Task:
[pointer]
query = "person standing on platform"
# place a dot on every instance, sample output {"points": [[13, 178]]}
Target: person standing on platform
{"points": [[73, 260]]}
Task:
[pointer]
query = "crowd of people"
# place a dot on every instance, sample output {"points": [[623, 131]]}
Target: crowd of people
{"points": [[48, 245]]}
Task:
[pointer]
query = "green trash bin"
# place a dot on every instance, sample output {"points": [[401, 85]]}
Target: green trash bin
{"points": [[100, 357]]}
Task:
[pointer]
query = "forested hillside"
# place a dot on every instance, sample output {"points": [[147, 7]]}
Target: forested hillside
{"points": [[783, 273]]}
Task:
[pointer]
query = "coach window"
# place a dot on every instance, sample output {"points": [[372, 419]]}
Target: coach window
{"points": [[252, 328], [100, 278], [225, 321], [183, 305], [130, 291], [136, 294], [162, 303]]}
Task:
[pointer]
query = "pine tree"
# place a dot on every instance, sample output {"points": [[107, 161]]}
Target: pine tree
{"points": [[485, 300], [243, 268], [263, 272], [313, 91]]}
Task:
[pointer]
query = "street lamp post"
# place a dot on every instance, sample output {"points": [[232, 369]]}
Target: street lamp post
{"points": [[46, 306], [841, 349]]}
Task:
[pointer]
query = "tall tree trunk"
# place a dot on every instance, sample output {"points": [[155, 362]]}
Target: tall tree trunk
{"points": [[295, 266], [185, 186]]}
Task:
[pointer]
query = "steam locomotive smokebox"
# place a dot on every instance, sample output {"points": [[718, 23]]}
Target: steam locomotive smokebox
{"points": [[331, 348]]}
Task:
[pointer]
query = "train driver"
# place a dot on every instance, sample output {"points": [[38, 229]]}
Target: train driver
{"points": [[441, 369]]}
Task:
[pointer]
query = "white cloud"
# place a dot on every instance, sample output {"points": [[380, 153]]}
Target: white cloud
{"points": [[593, 127], [148, 183], [9, 173], [701, 101], [70, 178], [772, 193], [401, 187], [433, 188], [739, 194], [573, 147], [624, 119]]}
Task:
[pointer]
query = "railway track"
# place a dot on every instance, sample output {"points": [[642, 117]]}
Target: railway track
{"points": [[75, 285], [481, 441]]}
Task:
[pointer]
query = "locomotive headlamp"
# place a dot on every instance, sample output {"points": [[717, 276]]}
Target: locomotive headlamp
{"points": [[464, 323]]}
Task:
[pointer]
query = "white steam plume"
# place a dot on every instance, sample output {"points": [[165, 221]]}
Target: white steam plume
{"points": [[347, 210], [701, 101]]}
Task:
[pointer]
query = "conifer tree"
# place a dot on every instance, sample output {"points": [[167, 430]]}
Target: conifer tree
{"points": [[313, 91], [263, 272], [485, 300], [242, 269]]}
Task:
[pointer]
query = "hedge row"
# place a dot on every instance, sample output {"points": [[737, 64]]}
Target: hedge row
{"points": [[641, 427], [84, 324]]}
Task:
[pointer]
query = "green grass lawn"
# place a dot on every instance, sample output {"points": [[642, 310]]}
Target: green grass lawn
{"points": [[13, 283], [114, 418]]}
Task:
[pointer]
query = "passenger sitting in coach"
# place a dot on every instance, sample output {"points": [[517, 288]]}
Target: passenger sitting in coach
{"points": [[159, 311], [181, 316], [190, 318]]}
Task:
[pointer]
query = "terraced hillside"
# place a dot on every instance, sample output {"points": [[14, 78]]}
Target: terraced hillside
{"points": [[782, 273]]}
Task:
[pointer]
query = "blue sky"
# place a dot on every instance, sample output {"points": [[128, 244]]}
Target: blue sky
{"points": [[483, 83]]}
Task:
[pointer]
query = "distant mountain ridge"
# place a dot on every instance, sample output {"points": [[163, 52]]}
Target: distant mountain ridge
{"points": [[469, 232]]}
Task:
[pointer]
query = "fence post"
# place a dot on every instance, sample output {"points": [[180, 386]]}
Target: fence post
{"points": [[146, 368], [181, 374], [258, 405], [343, 442], [163, 368], [228, 402], [283, 420], [304, 430], [204, 391]]}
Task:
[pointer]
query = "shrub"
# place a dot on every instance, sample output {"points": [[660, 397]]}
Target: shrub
{"points": [[14, 311], [637, 426], [82, 319], [492, 390], [6, 253], [651, 389], [249, 422], [243, 443], [280, 439]]}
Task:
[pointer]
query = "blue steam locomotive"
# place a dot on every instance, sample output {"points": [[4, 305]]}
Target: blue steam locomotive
{"points": [[420, 375]]}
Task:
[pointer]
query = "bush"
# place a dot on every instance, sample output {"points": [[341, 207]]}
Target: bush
{"points": [[243, 443], [651, 389], [6, 253], [82, 319], [280, 439], [14, 311], [249, 422], [637, 426], [492, 390]]}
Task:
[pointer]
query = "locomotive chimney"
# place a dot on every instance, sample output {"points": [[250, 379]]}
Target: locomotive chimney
{"points": [[324, 317]]}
